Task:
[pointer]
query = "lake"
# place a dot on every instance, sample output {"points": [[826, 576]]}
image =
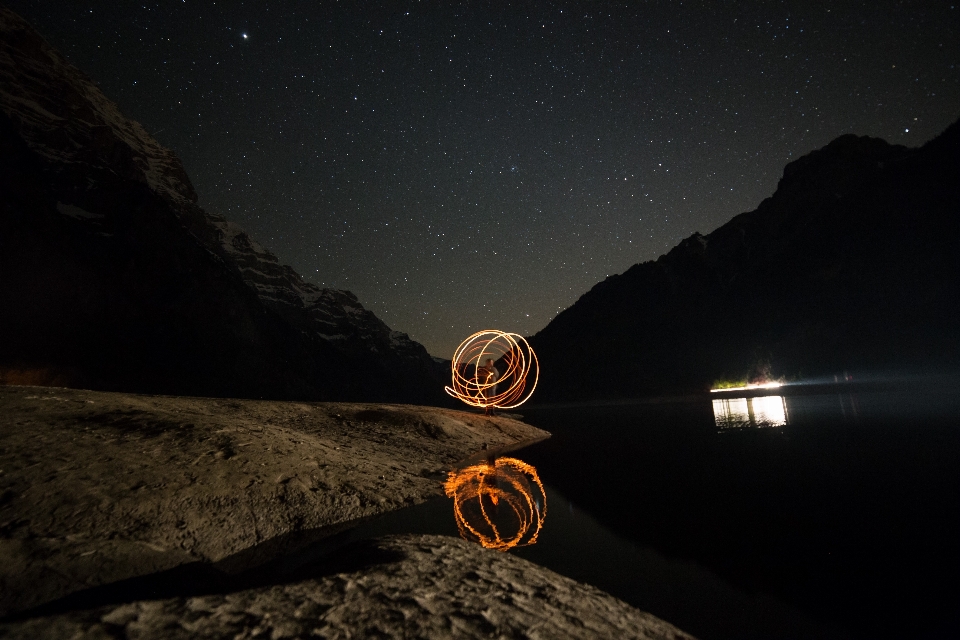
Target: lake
{"points": [[815, 512]]}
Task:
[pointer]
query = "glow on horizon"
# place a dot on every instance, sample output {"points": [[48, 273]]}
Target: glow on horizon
{"points": [[765, 385]]}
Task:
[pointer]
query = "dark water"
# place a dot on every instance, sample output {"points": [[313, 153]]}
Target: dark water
{"points": [[801, 515], [849, 513]]}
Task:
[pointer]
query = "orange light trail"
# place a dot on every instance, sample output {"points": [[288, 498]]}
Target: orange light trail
{"points": [[520, 361], [498, 503]]}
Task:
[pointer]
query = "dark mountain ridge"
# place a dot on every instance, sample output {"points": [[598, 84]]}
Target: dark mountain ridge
{"points": [[112, 277], [851, 265]]}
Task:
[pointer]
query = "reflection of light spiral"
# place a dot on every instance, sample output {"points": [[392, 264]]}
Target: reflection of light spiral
{"points": [[519, 360], [498, 504]]}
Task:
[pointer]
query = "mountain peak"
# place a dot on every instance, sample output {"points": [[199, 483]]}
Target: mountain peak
{"points": [[102, 231], [72, 122], [849, 265]]}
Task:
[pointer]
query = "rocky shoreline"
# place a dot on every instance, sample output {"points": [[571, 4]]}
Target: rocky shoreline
{"points": [[393, 587], [98, 488]]}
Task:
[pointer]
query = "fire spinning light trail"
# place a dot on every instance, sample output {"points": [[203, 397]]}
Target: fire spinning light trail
{"points": [[474, 385], [500, 504]]}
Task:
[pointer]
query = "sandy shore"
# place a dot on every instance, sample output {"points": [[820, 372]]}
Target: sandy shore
{"points": [[100, 490]]}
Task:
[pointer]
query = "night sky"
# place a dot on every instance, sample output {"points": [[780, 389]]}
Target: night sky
{"points": [[482, 166]]}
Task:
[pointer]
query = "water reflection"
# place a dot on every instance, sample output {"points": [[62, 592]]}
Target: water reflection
{"points": [[499, 503], [740, 413]]}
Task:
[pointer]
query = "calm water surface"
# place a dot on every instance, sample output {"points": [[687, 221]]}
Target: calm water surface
{"points": [[844, 507], [799, 515]]}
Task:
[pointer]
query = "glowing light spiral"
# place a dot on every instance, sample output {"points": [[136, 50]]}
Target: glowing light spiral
{"points": [[499, 504], [474, 386]]}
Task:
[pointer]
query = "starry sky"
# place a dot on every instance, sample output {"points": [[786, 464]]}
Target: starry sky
{"points": [[471, 165]]}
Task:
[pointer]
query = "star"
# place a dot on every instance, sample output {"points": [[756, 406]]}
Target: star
{"points": [[408, 123]]}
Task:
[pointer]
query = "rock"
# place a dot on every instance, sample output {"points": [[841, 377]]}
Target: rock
{"points": [[100, 487], [394, 587]]}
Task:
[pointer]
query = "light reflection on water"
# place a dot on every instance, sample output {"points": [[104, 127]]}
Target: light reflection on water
{"points": [[741, 413], [499, 503]]}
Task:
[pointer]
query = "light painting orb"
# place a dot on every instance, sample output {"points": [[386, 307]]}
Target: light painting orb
{"points": [[499, 504], [474, 384]]}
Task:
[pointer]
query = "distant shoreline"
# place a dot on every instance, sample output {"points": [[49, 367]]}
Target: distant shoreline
{"points": [[943, 382]]}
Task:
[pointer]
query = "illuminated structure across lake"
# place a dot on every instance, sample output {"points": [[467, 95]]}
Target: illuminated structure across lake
{"points": [[478, 386], [739, 413]]}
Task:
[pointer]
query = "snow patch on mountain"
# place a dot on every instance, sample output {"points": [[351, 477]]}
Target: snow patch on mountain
{"points": [[77, 213]]}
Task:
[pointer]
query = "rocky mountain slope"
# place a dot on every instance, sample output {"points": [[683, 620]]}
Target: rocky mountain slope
{"points": [[112, 276], [851, 265]]}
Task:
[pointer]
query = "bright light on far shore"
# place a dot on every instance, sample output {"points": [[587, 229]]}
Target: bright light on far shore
{"points": [[765, 385]]}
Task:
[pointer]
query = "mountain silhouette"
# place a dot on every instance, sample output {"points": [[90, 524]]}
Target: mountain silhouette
{"points": [[112, 277], [852, 264]]}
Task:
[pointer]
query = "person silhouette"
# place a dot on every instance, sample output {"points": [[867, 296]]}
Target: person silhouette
{"points": [[488, 375]]}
